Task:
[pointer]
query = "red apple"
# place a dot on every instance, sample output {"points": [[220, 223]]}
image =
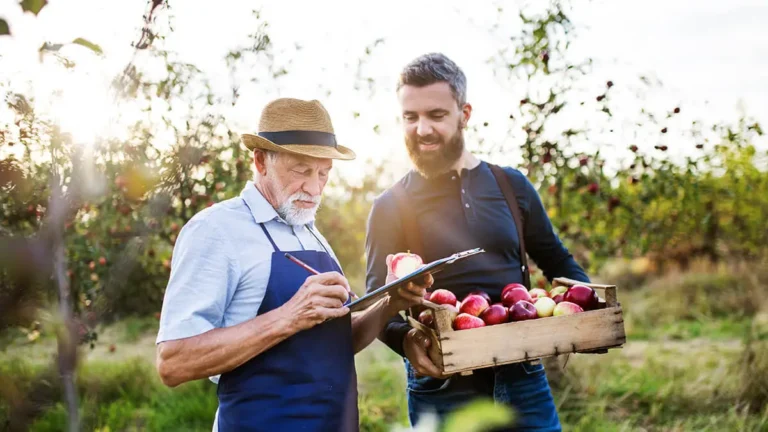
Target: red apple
{"points": [[482, 294], [545, 307], [512, 285], [405, 263], [566, 308], [522, 310], [102, 261], [466, 321], [515, 294], [496, 314], [427, 317], [583, 296], [443, 297], [538, 293], [473, 305]]}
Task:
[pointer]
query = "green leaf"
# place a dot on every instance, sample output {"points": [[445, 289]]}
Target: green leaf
{"points": [[88, 44], [34, 6], [4, 29], [479, 416]]}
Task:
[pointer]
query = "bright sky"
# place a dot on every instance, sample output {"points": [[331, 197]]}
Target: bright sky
{"points": [[711, 56]]}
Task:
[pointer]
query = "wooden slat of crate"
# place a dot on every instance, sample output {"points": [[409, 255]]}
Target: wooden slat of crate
{"points": [[524, 340]]}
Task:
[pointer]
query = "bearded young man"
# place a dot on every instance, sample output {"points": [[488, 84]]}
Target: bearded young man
{"points": [[279, 341], [454, 202]]}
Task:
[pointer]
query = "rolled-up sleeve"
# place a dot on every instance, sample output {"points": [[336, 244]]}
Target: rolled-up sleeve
{"points": [[202, 282]]}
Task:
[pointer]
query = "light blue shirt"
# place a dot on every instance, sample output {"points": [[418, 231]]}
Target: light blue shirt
{"points": [[221, 264]]}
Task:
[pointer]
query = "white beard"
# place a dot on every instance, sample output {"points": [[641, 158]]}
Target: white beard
{"points": [[298, 216]]}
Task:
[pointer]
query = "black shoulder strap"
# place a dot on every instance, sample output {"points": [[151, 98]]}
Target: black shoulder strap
{"points": [[505, 184], [408, 221]]}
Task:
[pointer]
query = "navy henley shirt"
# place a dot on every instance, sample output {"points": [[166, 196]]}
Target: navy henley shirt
{"points": [[459, 212]]}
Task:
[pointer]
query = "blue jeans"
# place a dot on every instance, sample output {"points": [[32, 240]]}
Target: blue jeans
{"points": [[521, 386]]}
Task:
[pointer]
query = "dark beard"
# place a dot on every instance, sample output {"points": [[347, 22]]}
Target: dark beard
{"points": [[439, 161]]}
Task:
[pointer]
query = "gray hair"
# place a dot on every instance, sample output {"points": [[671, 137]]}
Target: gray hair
{"points": [[269, 155], [432, 68]]}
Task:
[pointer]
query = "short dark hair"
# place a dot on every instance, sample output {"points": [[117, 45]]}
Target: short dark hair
{"points": [[435, 67]]}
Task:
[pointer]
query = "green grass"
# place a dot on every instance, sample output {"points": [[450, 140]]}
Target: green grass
{"points": [[696, 387], [696, 360], [137, 327], [128, 396]]}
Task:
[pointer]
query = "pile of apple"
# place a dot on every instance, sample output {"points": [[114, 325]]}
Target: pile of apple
{"points": [[517, 304]]}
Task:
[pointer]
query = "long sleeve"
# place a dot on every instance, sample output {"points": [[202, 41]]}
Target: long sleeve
{"points": [[542, 243], [384, 237]]}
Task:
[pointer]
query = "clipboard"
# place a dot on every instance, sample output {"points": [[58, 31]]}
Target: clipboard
{"points": [[431, 268]]}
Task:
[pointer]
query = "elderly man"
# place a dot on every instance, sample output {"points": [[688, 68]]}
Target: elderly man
{"points": [[279, 341]]}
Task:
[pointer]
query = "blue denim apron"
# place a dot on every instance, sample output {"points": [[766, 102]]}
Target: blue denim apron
{"points": [[305, 383]]}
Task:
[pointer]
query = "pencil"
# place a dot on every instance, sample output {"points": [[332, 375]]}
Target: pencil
{"points": [[311, 270]]}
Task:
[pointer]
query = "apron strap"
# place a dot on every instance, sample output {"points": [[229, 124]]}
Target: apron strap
{"points": [[269, 237]]}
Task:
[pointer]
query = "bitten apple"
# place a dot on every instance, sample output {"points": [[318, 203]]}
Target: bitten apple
{"points": [[443, 296], [405, 263], [583, 296], [545, 307], [538, 293], [514, 295], [466, 321], [566, 308], [495, 314], [522, 310]]}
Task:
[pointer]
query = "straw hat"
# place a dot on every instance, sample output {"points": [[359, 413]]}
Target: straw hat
{"points": [[299, 127]]}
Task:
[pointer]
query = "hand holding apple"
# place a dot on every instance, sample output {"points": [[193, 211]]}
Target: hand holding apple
{"points": [[413, 293], [402, 264]]}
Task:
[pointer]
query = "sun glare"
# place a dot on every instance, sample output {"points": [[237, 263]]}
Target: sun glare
{"points": [[82, 107]]}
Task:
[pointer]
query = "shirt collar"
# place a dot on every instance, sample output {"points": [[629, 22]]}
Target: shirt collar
{"points": [[260, 208], [421, 182]]}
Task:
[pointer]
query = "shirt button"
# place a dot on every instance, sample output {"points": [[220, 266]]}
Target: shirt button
{"points": [[466, 205], [453, 177], [462, 191]]}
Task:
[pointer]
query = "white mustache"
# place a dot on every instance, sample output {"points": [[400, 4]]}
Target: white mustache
{"points": [[301, 196]]}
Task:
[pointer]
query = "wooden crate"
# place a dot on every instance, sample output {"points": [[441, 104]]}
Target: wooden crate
{"points": [[462, 351]]}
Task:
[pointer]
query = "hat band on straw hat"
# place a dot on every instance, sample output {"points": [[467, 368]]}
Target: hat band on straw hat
{"points": [[301, 137]]}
